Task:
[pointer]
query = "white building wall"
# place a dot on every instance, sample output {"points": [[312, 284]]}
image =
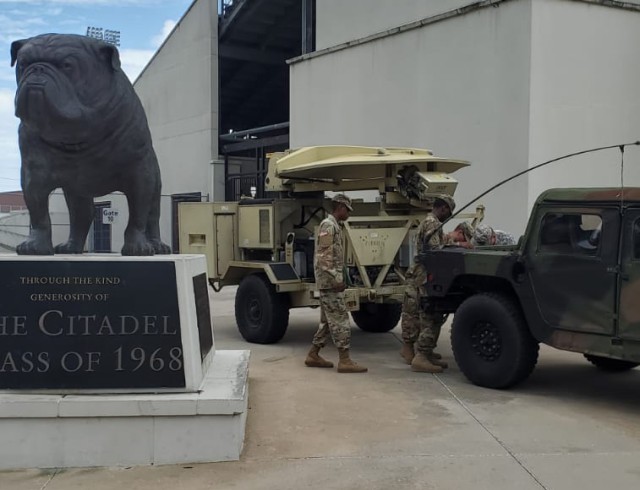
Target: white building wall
{"points": [[459, 87], [179, 92], [339, 21], [506, 88], [584, 93]]}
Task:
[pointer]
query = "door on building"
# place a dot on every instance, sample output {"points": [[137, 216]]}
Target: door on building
{"points": [[101, 231], [175, 230]]}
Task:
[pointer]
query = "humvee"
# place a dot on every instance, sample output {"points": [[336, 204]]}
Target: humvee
{"points": [[571, 282], [266, 246]]}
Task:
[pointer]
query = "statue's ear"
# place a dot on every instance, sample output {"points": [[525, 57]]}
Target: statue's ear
{"points": [[112, 56], [15, 47]]}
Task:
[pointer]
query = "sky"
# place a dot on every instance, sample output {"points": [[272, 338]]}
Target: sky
{"points": [[143, 26]]}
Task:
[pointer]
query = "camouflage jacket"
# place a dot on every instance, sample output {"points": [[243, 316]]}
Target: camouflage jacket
{"points": [[504, 238], [426, 239], [328, 261]]}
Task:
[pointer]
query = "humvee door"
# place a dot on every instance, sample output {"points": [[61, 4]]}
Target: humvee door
{"points": [[629, 310], [571, 262]]}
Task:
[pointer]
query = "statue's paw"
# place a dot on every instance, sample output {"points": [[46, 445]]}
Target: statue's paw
{"points": [[160, 248], [68, 248], [34, 247], [137, 247]]}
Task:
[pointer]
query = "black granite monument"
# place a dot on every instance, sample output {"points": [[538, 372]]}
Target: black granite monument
{"points": [[70, 325]]}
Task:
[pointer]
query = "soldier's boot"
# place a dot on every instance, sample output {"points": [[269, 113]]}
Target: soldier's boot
{"points": [[346, 365], [421, 364], [407, 352], [315, 360], [438, 361]]}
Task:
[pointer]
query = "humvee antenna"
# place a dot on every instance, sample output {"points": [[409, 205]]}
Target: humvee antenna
{"points": [[502, 182], [622, 176], [621, 147]]}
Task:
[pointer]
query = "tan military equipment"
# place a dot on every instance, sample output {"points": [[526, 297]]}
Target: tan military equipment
{"points": [[266, 246]]}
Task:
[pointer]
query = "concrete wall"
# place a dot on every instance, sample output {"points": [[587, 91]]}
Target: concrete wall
{"points": [[179, 92], [338, 21], [584, 93], [459, 87], [506, 88]]}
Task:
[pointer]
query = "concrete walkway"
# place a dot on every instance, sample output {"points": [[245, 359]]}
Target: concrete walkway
{"points": [[568, 427]]}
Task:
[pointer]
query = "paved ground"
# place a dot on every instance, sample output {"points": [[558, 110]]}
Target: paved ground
{"points": [[568, 427]]}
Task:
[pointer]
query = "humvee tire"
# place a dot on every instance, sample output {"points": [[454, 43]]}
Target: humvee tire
{"points": [[262, 314], [491, 342], [376, 317], [611, 365]]}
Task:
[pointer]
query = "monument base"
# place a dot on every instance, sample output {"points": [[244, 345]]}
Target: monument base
{"points": [[62, 431]]}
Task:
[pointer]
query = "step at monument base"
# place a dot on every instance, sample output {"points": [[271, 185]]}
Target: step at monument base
{"points": [[64, 431]]}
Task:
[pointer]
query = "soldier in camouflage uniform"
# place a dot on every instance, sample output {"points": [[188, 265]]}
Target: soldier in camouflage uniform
{"points": [[419, 328], [329, 271], [481, 235], [462, 233], [485, 235]]}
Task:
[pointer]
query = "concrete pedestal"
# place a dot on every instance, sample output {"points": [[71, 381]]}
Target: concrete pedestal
{"points": [[110, 361], [47, 431]]}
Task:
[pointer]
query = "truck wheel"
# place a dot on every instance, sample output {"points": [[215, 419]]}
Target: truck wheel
{"points": [[262, 314], [491, 342], [611, 365], [377, 318]]}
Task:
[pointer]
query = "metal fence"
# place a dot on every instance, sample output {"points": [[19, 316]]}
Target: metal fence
{"points": [[243, 185]]}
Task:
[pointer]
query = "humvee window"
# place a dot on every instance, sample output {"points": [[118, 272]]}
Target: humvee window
{"points": [[570, 234]]}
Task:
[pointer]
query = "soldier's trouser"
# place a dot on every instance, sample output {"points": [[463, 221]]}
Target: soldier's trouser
{"points": [[334, 321], [411, 315], [430, 327], [419, 327]]}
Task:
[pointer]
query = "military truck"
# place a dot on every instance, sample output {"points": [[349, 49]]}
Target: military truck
{"points": [[266, 246], [572, 282]]}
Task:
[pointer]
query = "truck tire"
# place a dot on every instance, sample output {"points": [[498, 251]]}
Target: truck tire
{"points": [[262, 314], [491, 342], [611, 365], [377, 318]]}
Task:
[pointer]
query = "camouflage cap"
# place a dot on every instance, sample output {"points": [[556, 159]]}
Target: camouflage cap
{"points": [[466, 229], [343, 199], [483, 234], [448, 200]]}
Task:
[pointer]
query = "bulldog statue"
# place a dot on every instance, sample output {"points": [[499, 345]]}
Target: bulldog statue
{"points": [[83, 129]]}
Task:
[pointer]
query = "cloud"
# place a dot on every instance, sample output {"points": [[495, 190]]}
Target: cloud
{"points": [[133, 61], [19, 27], [167, 27]]}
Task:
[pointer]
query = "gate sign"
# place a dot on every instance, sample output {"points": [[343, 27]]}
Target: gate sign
{"points": [[109, 216]]}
